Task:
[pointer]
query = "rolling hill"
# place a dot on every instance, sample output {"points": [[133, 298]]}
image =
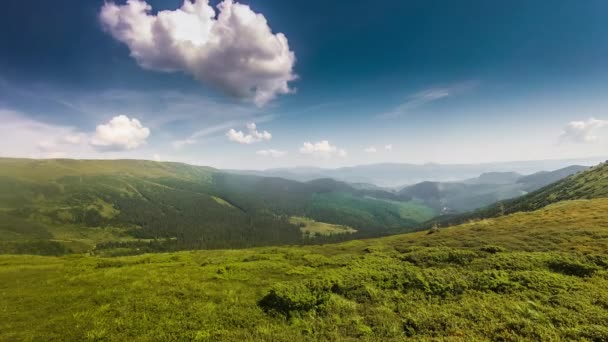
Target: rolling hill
{"points": [[532, 276], [128, 206]]}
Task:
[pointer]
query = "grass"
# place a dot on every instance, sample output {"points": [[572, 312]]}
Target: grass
{"points": [[413, 210], [312, 227], [536, 276], [222, 201]]}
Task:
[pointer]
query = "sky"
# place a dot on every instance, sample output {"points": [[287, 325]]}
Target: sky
{"points": [[268, 83]]}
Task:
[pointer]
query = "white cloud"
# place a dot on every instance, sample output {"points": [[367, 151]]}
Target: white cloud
{"points": [[322, 149], [234, 49], [271, 153], [156, 157], [252, 135], [388, 147], [120, 133], [370, 149], [583, 131]]}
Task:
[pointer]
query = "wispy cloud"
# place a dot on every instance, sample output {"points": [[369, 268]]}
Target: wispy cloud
{"points": [[194, 137], [217, 128], [322, 149], [271, 153], [428, 96]]}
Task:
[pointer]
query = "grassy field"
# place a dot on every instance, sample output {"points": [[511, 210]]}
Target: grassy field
{"points": [[537, 276], [312, 227], [413, 210]]}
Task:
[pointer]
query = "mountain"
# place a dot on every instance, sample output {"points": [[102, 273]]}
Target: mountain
{"points": [[495, 178], [588, 184], [488, 188], [397, 175], [534, 276], [459, 197], [57, 206], [543, 178]]}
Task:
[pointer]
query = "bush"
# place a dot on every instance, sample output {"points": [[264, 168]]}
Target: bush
{"points": [[492, 249], [495, 281], [572, 267], [437, 256], [290, 298]]}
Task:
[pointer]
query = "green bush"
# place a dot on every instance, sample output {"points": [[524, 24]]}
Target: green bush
{"points": [[572, 267], [294, 297], [436, 256]]}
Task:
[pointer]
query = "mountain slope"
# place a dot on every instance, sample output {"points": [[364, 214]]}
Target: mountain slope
{"points": [[488, 188], [589, 184], [129, 205], [540, 179], [534, 276]]}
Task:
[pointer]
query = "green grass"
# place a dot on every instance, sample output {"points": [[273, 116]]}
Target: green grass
{"points": [[361, 212], [312, 227], [412, 210], [537, 276], [222, 201]]}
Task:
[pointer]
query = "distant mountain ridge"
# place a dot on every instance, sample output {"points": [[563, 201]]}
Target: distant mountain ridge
{"points": [[488, 188], [590, 183], [399, 174]]}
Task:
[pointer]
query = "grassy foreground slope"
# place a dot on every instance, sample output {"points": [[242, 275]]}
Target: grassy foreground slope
{"points": [[534, 276]]}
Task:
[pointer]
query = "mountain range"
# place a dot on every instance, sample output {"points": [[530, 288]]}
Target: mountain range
{"points": [[396, 175], [126, 206]]}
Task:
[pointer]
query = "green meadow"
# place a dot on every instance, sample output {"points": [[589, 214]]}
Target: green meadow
{"points": [[534, 276]]}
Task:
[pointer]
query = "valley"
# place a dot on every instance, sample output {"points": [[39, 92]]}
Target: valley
{"points": [[154, 251]]}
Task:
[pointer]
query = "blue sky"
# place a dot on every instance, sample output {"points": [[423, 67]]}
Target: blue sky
{"points": [[326, 83]]}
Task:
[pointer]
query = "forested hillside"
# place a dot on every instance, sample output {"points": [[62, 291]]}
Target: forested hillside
{"points": [[478, 192], [589, 184], [129, 206]]}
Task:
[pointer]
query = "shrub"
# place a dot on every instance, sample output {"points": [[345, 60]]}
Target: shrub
{"points": [[492, 249], [289, 298], [436, 256], [495, 281], [572, 267]]}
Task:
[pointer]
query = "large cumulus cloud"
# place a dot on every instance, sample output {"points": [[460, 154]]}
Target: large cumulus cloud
{"points": [[234, 50]]}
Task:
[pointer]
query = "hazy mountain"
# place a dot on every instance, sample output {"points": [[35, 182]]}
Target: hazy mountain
{"points": [[396, 175], [495, 178], [488, 188], [588, 184], [540, 179]]}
